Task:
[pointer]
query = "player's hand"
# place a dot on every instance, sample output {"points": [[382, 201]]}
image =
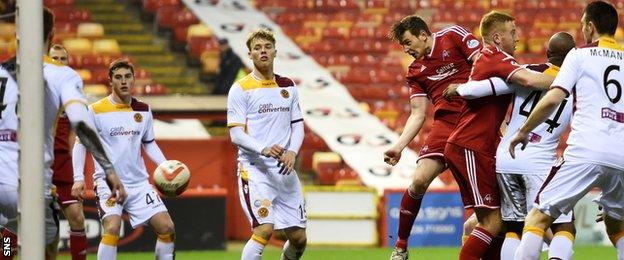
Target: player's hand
{"points": [[274, 151], [392, 156], [451, 91], [287, 162], [118, 192], [78, 190], [520, 138]]}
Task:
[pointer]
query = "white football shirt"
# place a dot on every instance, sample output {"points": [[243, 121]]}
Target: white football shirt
{"points": [[594, 75], [541, 151], [266, 108], [9, 149], [123, 129]]}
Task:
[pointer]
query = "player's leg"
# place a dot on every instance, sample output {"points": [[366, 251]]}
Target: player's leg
{"points": [[165, 231], [8, 210], [52, 227], [615, 230], [513, 190], [427, 169], [562, 243], [565, 185], [73, 212], [256, 195], [469, 225], [296, 243], [110, 214], [290, 216], [612, 202]]}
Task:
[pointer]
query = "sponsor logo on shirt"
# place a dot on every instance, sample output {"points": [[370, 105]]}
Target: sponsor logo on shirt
{"points": [[8, 135], [268, 108], [473, 43], [444, 72], [121, 131], [613, 115]]}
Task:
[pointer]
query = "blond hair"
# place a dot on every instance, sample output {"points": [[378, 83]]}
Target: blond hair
{"points": [[492, 21], [260, 34]]}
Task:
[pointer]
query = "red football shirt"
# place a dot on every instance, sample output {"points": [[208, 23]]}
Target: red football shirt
{"points": [[479, 123], [448, 62]]}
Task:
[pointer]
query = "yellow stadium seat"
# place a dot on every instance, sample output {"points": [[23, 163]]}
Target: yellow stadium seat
{"points": [[90, 30], [198, 30], [7, 31], [106, 46], [96, 90], [325, 157], [210, 61], [85, 75], [619, 34], [78, 46]]}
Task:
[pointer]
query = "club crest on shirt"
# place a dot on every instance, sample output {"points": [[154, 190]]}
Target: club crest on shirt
{"points": [[445, 54], [473, 43], [285, 93], [110, 202], [263, 212], [138, 117]]}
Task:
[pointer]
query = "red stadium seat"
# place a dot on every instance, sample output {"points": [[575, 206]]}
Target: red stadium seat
{"points": [[165, 16], [154, 89], [151, 6]]}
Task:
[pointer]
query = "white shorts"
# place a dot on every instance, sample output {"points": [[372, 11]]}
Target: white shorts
{"points": [[8, 211], [569, 181], [141, 204], [518, 192], [269, 197]]}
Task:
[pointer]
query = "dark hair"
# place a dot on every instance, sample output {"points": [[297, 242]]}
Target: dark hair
{"points": [[603, 15], [117, 64], [48, 23], [412, 23]]}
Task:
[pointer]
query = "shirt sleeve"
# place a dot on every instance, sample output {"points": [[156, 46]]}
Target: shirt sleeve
{"points": [[70, 85], [295, 114], [468, 44], [236, 107], [497, 64], [569, 73], [148, 135]]}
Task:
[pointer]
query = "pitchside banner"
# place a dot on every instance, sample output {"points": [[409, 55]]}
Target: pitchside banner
{"points": [[329, 110], [439, 222], [199, 223]]}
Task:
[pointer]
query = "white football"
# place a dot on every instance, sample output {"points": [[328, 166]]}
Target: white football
{"points": [[171, 178]]}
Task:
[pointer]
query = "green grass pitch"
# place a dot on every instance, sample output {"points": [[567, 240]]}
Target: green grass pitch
{"points": [[272, 253]]}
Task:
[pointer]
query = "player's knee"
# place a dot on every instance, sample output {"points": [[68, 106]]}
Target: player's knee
{"points": [[112, 228], [168, 228], [264, 231], [514, 227], [298, 240], [470, 224], [76, 220], [568, 227]]}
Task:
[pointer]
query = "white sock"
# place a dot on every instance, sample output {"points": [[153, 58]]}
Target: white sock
{"points": [[509, 245], [254, 248], [619, 246], [106, 252], [165, 248], [530, 245], [290, 252], [561, 246]]}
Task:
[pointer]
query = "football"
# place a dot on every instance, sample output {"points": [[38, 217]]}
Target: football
{"points": [[171, 178]]}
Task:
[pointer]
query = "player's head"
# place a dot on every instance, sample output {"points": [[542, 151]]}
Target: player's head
{"points": [[121, 77], [413, 34], [599, 18], [261, 46], [498, 29], [58, 53], [558, 47], [48, 27]]}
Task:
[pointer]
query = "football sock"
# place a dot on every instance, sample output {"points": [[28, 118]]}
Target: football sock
{"points": [[530, 244], [290, 252], [13, 243], [165, 249], [254, 247], [494, 251], [410, 205], [476, 245], [561, 246], [78, 244], [512, 240], [108, 247]]}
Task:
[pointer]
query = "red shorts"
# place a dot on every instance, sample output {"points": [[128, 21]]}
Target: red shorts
{"points": [[63, 178], [475, 174], [436, 141]]}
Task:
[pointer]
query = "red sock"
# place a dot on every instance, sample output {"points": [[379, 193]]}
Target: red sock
{"points": [[476, 245], [410, 205], [12, 240], [78, 244], [493, 253]]}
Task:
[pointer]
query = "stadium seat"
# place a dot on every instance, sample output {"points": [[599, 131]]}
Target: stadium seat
{"points": [[78, 46], [151, 6], [165, 17], [57, 3], [90, 30], [85, 75], [7, 31], [106, 46], [154, 89], [198, 30], [96, 89]]}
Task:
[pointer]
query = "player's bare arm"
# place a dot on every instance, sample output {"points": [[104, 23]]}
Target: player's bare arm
{"points": [[528, 78], [412, 127], [544, 108], [287, 160]]}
